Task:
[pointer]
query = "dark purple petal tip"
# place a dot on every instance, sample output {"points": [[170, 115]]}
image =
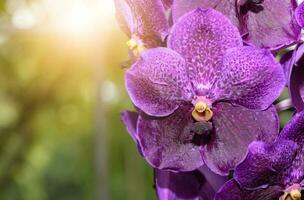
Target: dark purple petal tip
{"points": [[200, 184], [181, 185], [130, 118]]}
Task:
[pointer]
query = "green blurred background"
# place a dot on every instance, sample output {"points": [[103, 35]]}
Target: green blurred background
{"points": [[61, 94]]}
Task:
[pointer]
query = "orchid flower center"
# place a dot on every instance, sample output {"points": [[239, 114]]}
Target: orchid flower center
{"points": [[295, 195], [292, 193], [202, 133], [202, 112], [135, 47]]}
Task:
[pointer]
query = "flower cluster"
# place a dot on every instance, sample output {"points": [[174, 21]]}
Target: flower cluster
{"points": [[203, 80]]}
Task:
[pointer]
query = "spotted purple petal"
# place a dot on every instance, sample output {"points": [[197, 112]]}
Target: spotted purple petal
{"points": [[267, 23], [294, 131], [264, 163], [144, 19], [202, 36], [232, 191], [299, 14], [250, 77], [235, 128], [294, 173], [158, 82], [273, 26], [227, 7], [167, 143]]}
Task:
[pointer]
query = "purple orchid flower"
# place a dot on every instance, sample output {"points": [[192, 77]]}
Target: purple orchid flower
{"points": [[173, 143], [193, 185], [263, 23], [293, 64], [271, 171], [200, 184], [144, 21], [204, 95]]}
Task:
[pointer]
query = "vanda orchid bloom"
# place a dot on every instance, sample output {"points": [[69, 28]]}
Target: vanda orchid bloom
{"points": [[271, 171], [144, 21], [193, 185], [205, 97], [262, 23]]}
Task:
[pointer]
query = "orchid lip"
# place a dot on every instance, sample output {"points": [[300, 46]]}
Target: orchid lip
{"points": [[292, 193], [202, 112], [201, 107]]}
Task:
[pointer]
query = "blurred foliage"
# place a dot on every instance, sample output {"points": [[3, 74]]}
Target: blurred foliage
{"points": [[47, 126], [46, 110], [130, 176]]}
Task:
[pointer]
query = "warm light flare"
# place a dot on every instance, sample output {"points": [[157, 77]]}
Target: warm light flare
{"points": [[69, 17], [83, 16], [77, 19]]}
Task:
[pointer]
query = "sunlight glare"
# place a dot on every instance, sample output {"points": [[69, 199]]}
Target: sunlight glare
{"points": [[82, 17], [78, 19], [23, 18]]}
